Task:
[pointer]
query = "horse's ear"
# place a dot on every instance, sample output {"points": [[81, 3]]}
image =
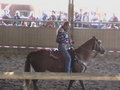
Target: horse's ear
{"points": [[94, 37], [99, 41]]}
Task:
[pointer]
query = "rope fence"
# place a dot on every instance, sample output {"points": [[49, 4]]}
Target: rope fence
{"points": [[45, 48]]}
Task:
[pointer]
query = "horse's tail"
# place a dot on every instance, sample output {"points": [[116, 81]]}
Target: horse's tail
{"points": [[27, 67]]}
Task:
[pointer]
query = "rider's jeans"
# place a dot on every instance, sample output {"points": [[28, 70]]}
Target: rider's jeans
{"points": [[63, 48]]}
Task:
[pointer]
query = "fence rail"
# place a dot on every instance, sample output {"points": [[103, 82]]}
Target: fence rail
{"points": [[59, 76]]}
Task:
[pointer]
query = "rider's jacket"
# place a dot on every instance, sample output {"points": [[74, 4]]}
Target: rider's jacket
{"points": [[62, 37]]}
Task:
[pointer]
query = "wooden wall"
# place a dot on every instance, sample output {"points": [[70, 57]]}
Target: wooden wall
{"points": [[45, 37]]}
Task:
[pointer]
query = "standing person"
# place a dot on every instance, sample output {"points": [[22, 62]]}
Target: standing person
{"points": [[31, 17], [17, 16], [63, 41]]}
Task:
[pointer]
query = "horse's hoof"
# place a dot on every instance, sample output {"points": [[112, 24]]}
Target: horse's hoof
{"points": [[25, 88]]}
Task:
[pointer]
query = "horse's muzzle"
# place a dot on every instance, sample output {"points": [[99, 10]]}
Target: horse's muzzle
{"points": [[102, 51]]}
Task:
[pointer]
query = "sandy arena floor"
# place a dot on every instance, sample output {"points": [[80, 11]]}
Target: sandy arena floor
{"points": [[109, 63]]}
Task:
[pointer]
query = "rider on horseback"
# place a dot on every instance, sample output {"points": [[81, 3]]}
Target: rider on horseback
{"points": [[63, 41]]}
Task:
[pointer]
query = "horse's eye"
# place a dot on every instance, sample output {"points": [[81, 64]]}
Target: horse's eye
{"points": [[99, 43]]}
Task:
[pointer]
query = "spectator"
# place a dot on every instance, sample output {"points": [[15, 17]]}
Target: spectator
{"points": [[58, 17], [43, 17], [94, 18], [77, 18], [64, 17], [17, 16], [23, 23], [80, 16], [114, 18], [85, 18], [53, 16], [31, 17], [6, 15], [104, 19], [81, 13]]}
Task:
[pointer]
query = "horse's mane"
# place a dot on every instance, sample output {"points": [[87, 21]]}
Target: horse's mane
{"points": [[88, 44]]}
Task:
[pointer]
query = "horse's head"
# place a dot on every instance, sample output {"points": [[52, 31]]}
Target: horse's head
{"points": [[97, 45], [91, 45]]}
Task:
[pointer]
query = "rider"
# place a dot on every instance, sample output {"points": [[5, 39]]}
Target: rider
{"points": [[63, 41]]}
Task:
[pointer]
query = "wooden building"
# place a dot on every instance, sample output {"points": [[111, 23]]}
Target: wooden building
{"points": [[22, 8]]}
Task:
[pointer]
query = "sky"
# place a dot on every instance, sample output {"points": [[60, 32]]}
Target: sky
{"points": [[109, 6]]}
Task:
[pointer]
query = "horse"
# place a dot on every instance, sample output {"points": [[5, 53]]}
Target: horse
{"points": [[53, 61]]}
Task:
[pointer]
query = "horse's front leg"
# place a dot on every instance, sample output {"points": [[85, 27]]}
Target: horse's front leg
{"points": [[70, 84], [26, 85], [82, 84], [35, 84]]}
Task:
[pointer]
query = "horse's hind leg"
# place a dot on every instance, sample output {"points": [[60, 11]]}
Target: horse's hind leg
{"points": [[27, 69], [70, 84], [82, 85], [35, 84]]}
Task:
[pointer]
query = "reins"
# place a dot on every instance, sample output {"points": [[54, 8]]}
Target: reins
{"points": [[78, 58]]}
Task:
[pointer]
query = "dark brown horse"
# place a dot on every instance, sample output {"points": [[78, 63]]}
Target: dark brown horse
{"points": [[53, 61]]}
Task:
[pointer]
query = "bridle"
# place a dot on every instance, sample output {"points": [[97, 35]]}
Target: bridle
{"points": [[93, 49], [78, 59]]}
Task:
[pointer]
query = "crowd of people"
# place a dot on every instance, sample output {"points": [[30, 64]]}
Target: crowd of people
{"points": [[31, 20], [82, 19], [96, 20]]}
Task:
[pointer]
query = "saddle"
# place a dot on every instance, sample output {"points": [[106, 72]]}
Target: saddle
{"points": [[53, 56], [56, 55]]}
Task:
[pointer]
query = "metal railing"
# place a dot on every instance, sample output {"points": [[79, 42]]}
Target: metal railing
{"points": [[55, 24]]}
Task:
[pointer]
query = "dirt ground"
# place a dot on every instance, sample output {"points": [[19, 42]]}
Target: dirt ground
{"points": [[109, 63]]}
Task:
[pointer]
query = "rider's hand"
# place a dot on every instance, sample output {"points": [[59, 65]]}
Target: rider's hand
{"points": [[73, 42]]}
